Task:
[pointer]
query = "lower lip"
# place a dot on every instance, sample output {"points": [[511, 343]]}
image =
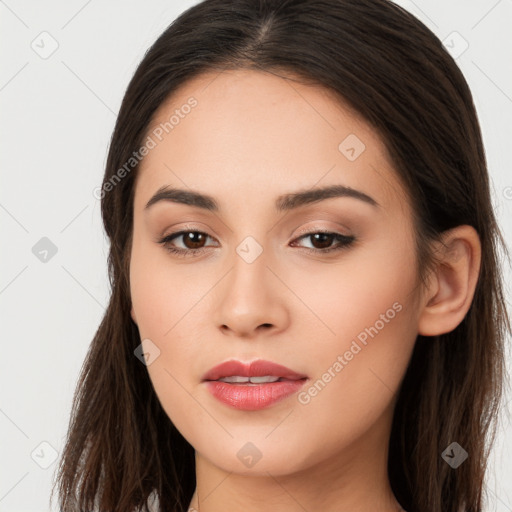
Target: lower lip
{"points": [[253, 397]]}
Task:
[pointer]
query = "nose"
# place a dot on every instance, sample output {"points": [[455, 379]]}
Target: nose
{"points": [[251, 300]]}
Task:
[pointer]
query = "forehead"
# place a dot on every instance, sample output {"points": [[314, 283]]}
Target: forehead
{"points": [[250, 132]]}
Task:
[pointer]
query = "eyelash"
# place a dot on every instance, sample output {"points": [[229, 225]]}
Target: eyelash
{"points": [[344, 241]]}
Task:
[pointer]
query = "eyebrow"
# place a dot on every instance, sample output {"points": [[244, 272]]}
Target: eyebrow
{"points": [[284, 202]]}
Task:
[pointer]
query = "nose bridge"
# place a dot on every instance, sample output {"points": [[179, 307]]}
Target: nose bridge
{"points": [[250, 296], [249, 279]]}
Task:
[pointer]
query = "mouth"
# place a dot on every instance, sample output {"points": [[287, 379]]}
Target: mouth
{"points": [[252, 386], [235, 371], [251, 381]]}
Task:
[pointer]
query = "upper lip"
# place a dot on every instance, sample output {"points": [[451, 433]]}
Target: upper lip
{"points": [[258, 368]]}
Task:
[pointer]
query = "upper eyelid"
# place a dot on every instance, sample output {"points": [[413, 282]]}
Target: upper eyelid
{"points": [[311, 231], [186, 228]]}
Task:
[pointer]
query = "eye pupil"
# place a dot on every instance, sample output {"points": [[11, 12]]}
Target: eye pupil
{"points": [[191, 237], [325, 239]]}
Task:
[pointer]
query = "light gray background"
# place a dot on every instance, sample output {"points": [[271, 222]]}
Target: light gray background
{"points": [[58, 113]]}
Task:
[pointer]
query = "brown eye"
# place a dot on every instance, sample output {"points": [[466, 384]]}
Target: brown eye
{"points": [[193, 239], [191, 242], [322, 241]]}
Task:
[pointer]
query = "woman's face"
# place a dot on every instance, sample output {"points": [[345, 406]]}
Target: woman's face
{"points": [[260, 284]]}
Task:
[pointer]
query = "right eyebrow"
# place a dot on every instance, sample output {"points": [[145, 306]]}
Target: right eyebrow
{"points": [[303, 197]]}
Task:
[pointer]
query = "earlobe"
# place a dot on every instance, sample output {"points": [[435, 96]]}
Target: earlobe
{"points": [[453, 282], [132, 313]]}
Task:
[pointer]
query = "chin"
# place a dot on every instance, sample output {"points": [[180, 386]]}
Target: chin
{"points": [[256, 458]]}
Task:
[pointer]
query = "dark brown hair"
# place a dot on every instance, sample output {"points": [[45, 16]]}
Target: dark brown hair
{"points": [[386, 65]]}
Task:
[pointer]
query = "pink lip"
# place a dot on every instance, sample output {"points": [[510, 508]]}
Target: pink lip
{"points": [[258, 368], [251, 397]]}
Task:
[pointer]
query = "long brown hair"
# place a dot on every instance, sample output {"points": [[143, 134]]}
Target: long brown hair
{"points": [[380, 60]]}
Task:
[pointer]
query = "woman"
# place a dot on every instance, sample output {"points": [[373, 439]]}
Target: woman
{"points": [[307, 310]]}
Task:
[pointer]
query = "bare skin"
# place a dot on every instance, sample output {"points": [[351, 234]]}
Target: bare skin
{"points": [[251, 138]]}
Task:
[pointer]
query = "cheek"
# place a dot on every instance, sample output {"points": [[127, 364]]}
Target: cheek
{"points": [[345, 297], [164, 298], [162, 318], [360, 340], [160, 291], [356, 378]]}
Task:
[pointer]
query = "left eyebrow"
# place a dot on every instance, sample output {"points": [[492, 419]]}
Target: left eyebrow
{"points": [[284, 202], [303, 197]]}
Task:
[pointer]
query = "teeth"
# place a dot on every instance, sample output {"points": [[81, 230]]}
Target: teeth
{"points": [[237, 379], [266, 378]]}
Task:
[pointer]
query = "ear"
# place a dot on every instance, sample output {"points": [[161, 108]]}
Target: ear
{"points": [[132, 313], [452, 282]]}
